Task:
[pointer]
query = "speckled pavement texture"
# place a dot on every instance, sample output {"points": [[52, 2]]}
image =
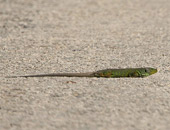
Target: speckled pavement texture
{"points": [[40, 36]]}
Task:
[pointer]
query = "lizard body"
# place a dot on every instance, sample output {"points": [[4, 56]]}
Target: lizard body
{"points": [[108, 73]]}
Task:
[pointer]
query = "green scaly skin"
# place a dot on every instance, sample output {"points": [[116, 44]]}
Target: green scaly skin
{"points": [[129, 72], [108, 73]]}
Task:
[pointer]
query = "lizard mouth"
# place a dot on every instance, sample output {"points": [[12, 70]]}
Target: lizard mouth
{"points": [[153, 71]]}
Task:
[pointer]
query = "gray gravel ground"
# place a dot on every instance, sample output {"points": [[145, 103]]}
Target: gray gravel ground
{"points": [[40, 36]]}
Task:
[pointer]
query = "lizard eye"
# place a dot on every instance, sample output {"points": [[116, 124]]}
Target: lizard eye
{"points": [[146, 70]]}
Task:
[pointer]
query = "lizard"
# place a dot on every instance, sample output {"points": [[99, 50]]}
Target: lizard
{"points": [[107, 73]]}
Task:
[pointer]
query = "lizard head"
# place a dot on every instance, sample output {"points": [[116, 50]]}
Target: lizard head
{"points": [[148, 71]]}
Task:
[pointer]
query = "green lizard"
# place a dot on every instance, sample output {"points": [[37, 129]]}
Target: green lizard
{"points": [[108, 73]]}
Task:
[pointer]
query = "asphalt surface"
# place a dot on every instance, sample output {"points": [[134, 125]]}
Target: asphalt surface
{"points": [[41, 36]]}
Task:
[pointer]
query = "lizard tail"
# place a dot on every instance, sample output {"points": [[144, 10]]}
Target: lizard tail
{"points": [[90, 74]]}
